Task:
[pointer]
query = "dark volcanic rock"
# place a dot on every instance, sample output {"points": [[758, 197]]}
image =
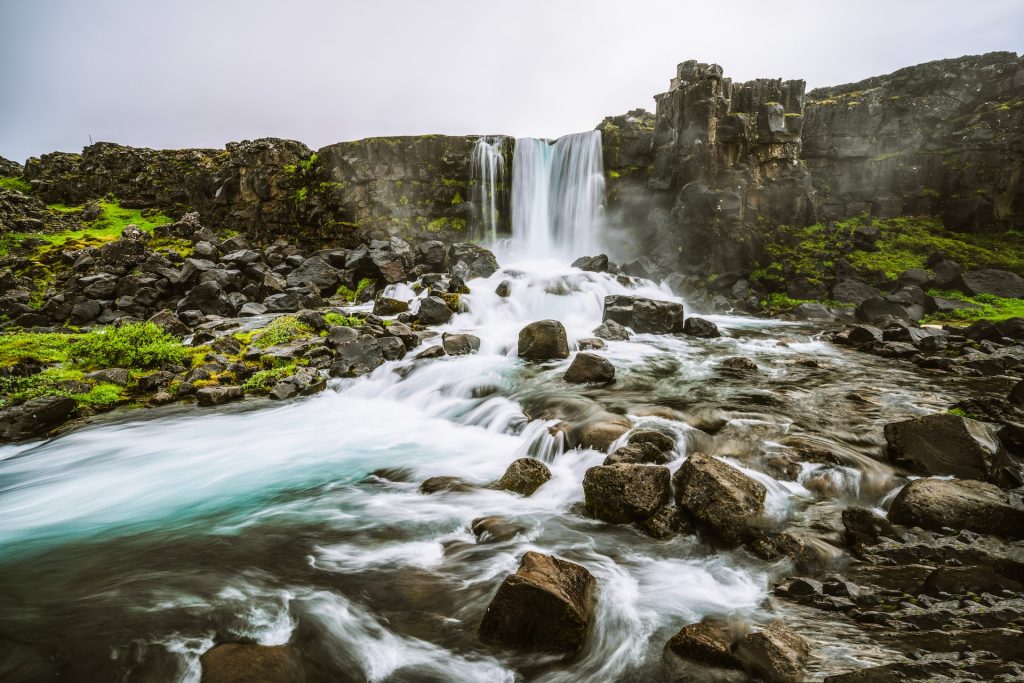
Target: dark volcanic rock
{"points": [[357, 357], [625, 493], [612, 331], [945, 444], [548, 604], [644, 315], [523, 476], [247, 662], [447, 484], [968, 504], [709, 642], [699, 327], [723, 499], [470, 261], [434, 311], [215, 396], [36, 417], [543, 340], [590, 368], [594, 264], [383, 305], [862, 527], [998, 282], [495, 529]]}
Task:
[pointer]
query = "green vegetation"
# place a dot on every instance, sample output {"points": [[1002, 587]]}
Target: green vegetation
{"points": [[59, 382], [133, 345], [264, 380], [34, 347], [351, 295], [18, 184], [339, 320], [990, 307], [960, 412], [444, 223], [281, 330]]}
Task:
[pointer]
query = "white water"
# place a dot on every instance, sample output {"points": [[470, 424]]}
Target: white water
{"points": [[487, 169], [557, 196]]}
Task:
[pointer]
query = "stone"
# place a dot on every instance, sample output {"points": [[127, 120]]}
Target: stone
{"points": [[660, 440], [990, 281], [166, 320], [357, 357], [600, 433], [739, 363], [285, 302], [117, 376], [957, 504], [215, 396], [35, 417], [624, 493], [637, 453], [434, 311], [460, 344], [591, 344], [862, 527], [853, 292], [864, 334], [495, 529], [340, 334], [471, 261], [594, 264], [435, 351], [611, 331], [722, 499], [945, 444], [392, 348], [543, 340], [644, 316], [710, 642], [524, 476], [547, 605], [383, 305], [590, 368], [447, 485], [665, 523], [776, 654], [504, 289], [247, 662], [251, 308], [699, 327]]}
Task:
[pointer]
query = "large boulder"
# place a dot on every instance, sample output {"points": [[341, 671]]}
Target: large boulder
{"points": [[316, 271], [247, 662], [699, 327], [460, 344], [36, 417], [548, 604], [624, 493], [944, 444], [644, 315], [216, 396], [469, 261], [722, 499], [999, 282], [775, 654], [543, 340], [590, 368], [357, 357], [853, 291], [434, 311], [957, 504], [208, 297], [611, 331], [705, 652], [524, 476]]}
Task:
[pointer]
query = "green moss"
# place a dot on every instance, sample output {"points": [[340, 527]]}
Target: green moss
{"points": [[301, 194], [281, 330], [264, 380], [37, 347], [337, 319], [352, 295], [989, 307], [445, 223], [132, 345], [18, 184], [457, 199]]}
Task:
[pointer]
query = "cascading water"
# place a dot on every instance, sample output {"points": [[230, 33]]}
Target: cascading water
{"points": [[487, 169], [557, 195]]}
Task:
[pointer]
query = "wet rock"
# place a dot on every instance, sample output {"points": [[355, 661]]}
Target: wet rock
{"points": [[853, 291], [215, 396], [543, 340], [601, 433], [699, 327], [434, 311], [340, 334], [720, 497], [663, 442], [990, 281], [946, 444], [878, 309], [460, 344], [709, 642], [589, 368], [471, 261], [862, 527], [383, 305], [435, 351], [36, 417], [644, 316], [358, 357], [739, 363], [504, 289], [495, 529], [304, 382], [963, 580], [957, 504], [624, 493], [285, 302], [392, 348], [864, 334], [593, 264], [548, 604], [524, 476], [251, 308], [247, 662], [611, 331], [591, 344], [776, 654], [447, 484], [638, 454], [668, 521]]}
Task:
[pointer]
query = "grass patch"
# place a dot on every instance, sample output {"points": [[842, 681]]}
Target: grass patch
{"points": [[133, 345], [990, 307], [280, 331], [264, 380], [59, 381], [339, 319], [351, 295], [18, 184], [34, 347]]}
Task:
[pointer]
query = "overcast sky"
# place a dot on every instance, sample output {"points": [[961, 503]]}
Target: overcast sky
{"points": [[199, 73]]}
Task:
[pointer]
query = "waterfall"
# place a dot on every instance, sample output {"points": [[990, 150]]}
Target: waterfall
{"points": [[558, 195], [487, 169]]}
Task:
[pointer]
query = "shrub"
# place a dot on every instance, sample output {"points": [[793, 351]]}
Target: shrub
{"points": [[280, 331], [133, 345], [264, 380]]}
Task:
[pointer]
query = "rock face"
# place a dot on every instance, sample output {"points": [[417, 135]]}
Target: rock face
{"points": [[945, 444], [723, 499], [547, 605], [245, 662], [590, 368], [973, 505], [624, 493], [543, 340]]}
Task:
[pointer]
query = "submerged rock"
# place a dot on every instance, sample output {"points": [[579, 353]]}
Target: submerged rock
{"points": [[709, 642], [590, 368], [495, 529], [547, 605], [720, 497], [543, 340], [247, 662], [973, 505], [624, 493], [447, 484], [524, 476], [739, 363]]}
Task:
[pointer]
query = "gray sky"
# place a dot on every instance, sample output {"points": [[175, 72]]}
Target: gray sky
{"points": [[199, 73]]}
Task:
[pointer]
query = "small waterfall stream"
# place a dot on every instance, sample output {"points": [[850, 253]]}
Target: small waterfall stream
{"points": [[487, 169]]}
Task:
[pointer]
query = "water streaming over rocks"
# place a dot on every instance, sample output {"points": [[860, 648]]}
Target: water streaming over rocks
{"points": [[129, 547], [487, 169]]}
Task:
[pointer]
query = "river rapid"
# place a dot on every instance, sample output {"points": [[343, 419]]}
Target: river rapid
{"points": [[130, 546]]}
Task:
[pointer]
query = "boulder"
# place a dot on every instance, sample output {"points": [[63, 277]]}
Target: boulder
{"points": [[594, 264], [709, 642], [392, 348], [699, 327], [639, 454], [470, 261], [166, 320], [548, 604], [624, 493], [611, 331], [435, 351], [495, 529], [990, 281], [601, 432], [285, 302], [357, 357], [644, 316], [208, 297], [383, 305], [215, 396], [660, 440], [504, 289], [722, 499], [945, 444], [118, 376], [590, 368], [877, 309], [543, 340], [447, 484], [247, 662], [739, 364], [853, 292], [591, 344], [460, 344], [36, 417], [523, 476], [434, 311], [776, 654], [957, 504], [862, 527]]}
